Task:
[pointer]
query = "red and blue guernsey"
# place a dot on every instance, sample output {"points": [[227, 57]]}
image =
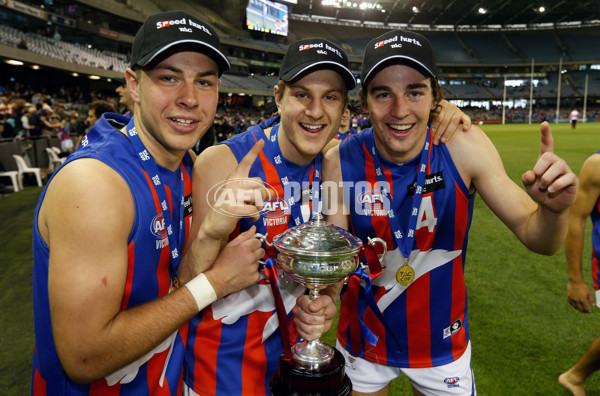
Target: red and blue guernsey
{"points": [[595, 217], [160, 371], [234, 344], [341, 136], [426, 322]]}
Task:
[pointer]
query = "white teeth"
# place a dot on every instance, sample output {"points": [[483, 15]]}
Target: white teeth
{"points": [[400, 127], [313, 127], [183, 121]]}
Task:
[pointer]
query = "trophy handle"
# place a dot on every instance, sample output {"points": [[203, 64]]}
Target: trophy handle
{"points": [[373, 241], [263, 238]]}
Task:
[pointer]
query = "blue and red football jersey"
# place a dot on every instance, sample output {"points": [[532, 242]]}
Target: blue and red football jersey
{"points": [[234, 344], [595, 217], [428, 318], [341, 136], [148, 274]]}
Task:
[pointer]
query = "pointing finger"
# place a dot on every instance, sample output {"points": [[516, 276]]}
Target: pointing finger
{"points": [[243, 168], [547, 141]]}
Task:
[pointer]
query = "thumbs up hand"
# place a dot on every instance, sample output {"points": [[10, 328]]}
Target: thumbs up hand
{"points": [[551, 182]]}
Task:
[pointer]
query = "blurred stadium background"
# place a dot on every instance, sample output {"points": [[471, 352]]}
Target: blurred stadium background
{"points": [[533, 59]]}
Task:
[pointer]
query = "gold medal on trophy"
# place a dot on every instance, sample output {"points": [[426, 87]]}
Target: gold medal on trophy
{"points": [[405, 274]]}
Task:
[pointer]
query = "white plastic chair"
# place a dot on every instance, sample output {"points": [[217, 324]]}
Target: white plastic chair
{"points": [[55, 149], [54, 161], [23, 168], [13, 177]]}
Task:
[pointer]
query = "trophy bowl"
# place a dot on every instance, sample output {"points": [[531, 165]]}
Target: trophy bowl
{"points": [[317, 254]]}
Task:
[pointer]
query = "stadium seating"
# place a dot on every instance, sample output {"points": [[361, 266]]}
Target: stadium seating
{"points": [[13, 175], [23, 168], [454, 49]]}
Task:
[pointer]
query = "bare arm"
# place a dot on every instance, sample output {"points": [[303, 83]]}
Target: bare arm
{"points": [[537, 216], [87, 273], [335, 209], [49, 124], [205, 175], [578, 292], [215, 218]]}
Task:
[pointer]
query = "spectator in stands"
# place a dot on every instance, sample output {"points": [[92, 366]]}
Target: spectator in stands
{"points": [[580, 297], [4, 104], [7, 131], [345, 129], [110, 295], [49, 124], [76, 124], [222, 128], [125, 99], [95, 111], [17, 111], [22, 44], [27, 121], [36, 119], [66, 143]]}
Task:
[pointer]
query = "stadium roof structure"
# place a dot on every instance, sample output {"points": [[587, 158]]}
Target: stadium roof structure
{"points": [[452, 15]]}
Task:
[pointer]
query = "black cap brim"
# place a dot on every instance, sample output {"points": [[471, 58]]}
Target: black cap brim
{"points": [[304, 68], [221, 60], [398, 59]]}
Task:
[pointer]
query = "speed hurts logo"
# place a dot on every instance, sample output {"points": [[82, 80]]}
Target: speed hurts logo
{"points": [[182, 22], [395, 40], [321, 48]]}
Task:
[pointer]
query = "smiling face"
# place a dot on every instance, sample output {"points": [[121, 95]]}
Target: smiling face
{"points": [[175, 103], [399, 99], [311, 109]]}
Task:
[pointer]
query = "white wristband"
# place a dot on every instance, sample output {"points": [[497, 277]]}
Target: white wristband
{"points": [[202, 291]]}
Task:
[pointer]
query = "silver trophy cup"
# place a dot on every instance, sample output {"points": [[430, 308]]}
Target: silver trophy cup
{"points": [[317, 254]]}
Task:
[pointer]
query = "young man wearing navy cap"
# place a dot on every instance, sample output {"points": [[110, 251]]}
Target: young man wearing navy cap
{"points": [[411, 318], [112, 292], [235, 343]]}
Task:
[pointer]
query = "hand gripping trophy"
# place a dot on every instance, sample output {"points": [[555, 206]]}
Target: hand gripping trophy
{"points": [[315, 254]]}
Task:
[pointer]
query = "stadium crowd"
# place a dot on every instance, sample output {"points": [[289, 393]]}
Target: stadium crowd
{"points": [[23, 110]]}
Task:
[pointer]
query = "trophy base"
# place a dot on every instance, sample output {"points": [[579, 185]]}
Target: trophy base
{"points": [[294, 379]]}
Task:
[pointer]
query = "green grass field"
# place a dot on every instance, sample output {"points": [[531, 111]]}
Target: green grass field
{"points": [[523, 331]]}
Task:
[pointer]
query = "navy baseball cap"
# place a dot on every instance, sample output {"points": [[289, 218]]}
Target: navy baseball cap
{"points": [[307, 55], [402, 46], [168, 29]]}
